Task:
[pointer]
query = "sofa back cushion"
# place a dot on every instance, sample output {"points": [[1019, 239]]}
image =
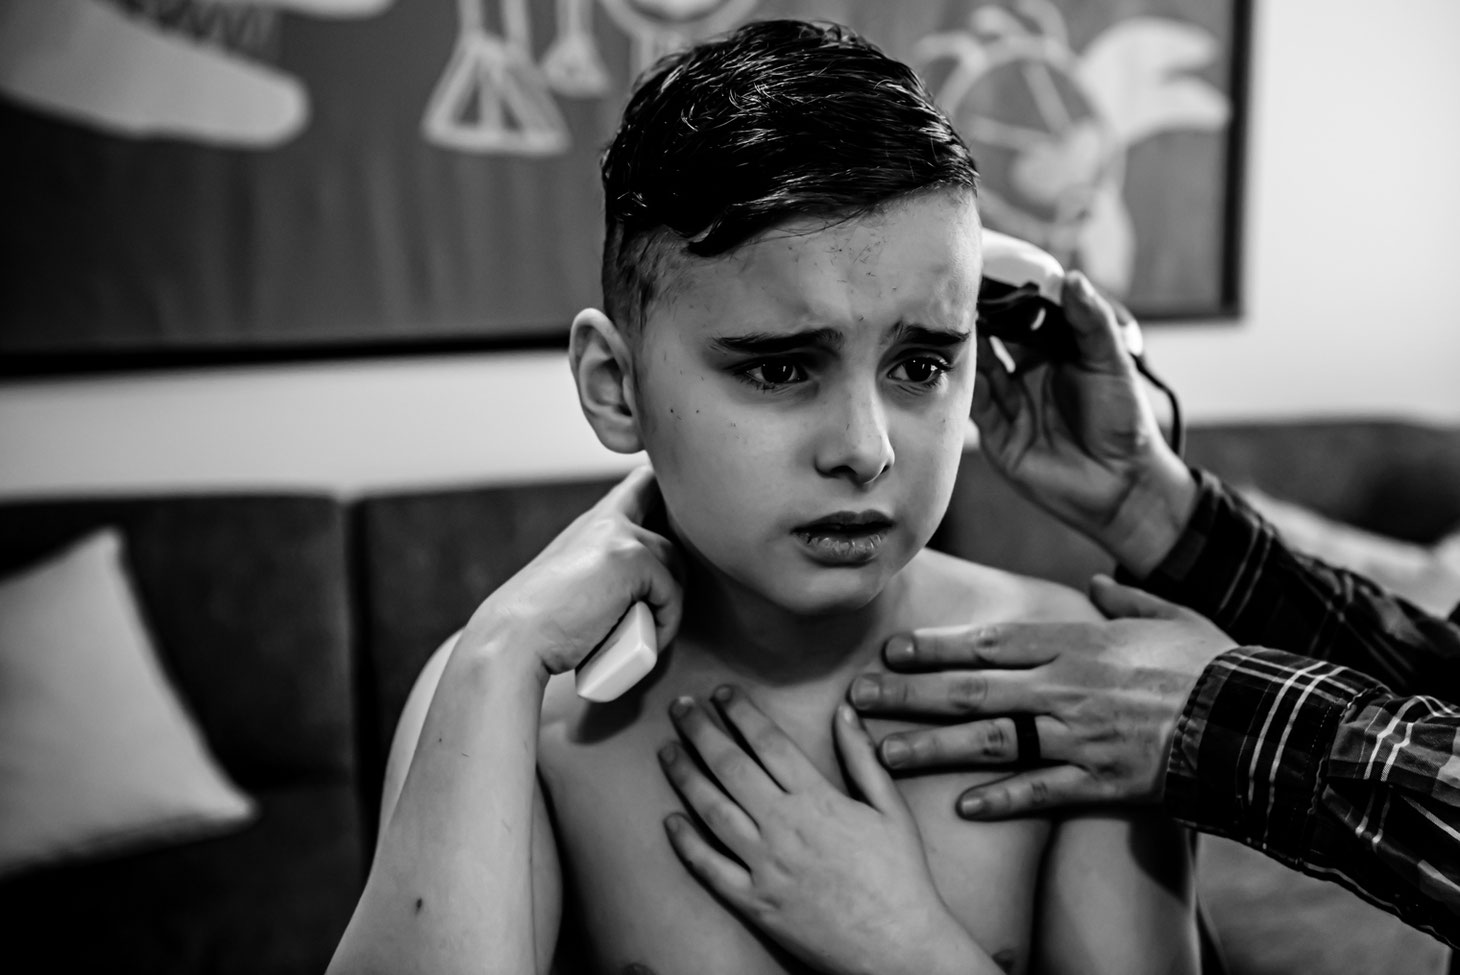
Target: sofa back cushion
{"points": [[425, 561]]}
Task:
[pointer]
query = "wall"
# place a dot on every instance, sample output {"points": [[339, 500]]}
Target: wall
{"points": [[1350, 244]]}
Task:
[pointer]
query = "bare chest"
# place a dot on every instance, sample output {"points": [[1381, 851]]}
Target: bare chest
{"points": [[630, 901]]}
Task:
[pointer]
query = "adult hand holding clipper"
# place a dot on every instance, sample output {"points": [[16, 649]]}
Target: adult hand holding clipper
{"points": [[1227, 708]]}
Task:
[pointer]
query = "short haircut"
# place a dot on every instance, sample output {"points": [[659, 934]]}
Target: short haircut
{"points": [[778, 120]]}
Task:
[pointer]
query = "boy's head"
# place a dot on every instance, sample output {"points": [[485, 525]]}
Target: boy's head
{"points": [[790, 275], [780, 119]]}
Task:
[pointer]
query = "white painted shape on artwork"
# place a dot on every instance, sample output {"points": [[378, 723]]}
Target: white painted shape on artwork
{"points": [[1107, 239], [676, 10], [515, 113], [572, 64], [1049, 18], [315, 8], [90, 63], [1068, 160], [661, 27], [1138, 74]]}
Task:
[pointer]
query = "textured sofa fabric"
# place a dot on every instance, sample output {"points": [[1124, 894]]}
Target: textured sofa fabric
{"points": [[1395, 479], [247, 600]]}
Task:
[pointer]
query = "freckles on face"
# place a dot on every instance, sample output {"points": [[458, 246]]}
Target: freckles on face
{"points": [[822, 368]]}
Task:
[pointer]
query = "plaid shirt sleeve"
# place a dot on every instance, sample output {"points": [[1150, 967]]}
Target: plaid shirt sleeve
{"points": [[1327, 741]]}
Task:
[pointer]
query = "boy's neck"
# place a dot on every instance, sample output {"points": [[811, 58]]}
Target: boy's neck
{"points": [[768, 645]]}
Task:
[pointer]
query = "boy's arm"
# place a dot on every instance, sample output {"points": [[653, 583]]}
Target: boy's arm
{"points": [[1117, 895], [464, 873], [453, 886]]}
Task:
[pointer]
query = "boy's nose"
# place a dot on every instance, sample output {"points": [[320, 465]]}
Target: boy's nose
{"points": [[855, 443]]}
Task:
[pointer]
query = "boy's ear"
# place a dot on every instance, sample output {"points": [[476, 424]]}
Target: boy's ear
{"points": [[603, 370]]}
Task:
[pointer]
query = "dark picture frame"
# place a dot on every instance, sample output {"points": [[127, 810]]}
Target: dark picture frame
{"points": [[412, 178]]}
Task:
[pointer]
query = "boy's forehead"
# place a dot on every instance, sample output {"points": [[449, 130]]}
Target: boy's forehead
{"points": [[915, 259]]}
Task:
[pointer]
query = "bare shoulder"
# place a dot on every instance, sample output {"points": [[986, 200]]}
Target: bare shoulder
{"points": [[947, 590]]}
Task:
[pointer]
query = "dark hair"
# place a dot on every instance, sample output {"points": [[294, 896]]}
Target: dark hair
{"points": [[776, 120]]}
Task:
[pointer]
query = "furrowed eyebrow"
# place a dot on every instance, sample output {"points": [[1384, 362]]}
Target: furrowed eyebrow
{"points": [[778, 343], [938, 338]]}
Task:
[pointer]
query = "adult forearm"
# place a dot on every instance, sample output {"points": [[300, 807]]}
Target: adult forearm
{"points": [[451, 887], [1324, 769], [1151, 517]]}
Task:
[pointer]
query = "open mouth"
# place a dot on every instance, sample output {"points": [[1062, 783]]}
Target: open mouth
{"points": [[845, 538]]}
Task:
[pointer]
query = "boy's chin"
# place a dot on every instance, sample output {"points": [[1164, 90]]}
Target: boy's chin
{"points": [[830, 592]]}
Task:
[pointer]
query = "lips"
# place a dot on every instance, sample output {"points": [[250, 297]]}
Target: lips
{"points": [[844, 538]]}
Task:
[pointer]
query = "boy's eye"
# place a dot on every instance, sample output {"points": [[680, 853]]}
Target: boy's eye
{"points": [[770, 375], [921, 371]]}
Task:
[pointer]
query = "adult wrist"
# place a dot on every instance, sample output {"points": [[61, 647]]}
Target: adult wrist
{"points": [[1153, 515]]}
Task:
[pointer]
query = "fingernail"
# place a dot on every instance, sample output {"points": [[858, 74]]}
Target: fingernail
{"points": [[723, 693], [669, 753], [864, 691], [970, 806], [845, 712], [681, 706], [899, 649], [895, 751]]}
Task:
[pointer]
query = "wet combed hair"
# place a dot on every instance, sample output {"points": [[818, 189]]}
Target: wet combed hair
{"points": [[780, 119]]}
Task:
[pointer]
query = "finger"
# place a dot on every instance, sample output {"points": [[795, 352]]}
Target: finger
{"points": [[634, 496], [1094, 323], [716, 871], [1029, 792], [1015, 645], [991, 741], [663, 549], [996, 393], [738, 774], [769, 745], [860, 759], [662, 587], [949, 694], [1123, 602], [721, 816]]}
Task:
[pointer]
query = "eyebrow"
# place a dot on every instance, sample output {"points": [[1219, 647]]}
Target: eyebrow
{"points": [[830, 339], [777, 343], [938, 338]]}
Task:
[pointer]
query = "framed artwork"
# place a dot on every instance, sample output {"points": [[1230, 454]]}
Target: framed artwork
{"points": [[221, 181]]}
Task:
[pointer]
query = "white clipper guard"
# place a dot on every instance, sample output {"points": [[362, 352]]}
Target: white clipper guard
{"points": [[624, 658]]}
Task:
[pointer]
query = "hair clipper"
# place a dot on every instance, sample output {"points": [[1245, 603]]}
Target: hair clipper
{"points": [[1019, 303], [1019, 300]]}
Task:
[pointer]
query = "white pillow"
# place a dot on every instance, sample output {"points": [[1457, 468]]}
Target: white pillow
{"points": [[97, 753]]}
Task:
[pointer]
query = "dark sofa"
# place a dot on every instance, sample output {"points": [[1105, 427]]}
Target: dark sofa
{"points": [[294, 626]]}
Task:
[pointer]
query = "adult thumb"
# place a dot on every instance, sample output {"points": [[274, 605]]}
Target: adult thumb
{"points": [[1125, 602]]}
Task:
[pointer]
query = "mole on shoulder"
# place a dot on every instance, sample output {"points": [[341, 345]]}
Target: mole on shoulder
{"points": [[420, 902]]}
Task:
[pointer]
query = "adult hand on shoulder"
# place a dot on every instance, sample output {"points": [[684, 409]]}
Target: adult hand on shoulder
{"points": [[841, 883], [1080, 438], [565, 601], [1105, 698]]}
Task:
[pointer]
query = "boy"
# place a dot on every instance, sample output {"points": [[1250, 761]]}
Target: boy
{"points": [[790, 276]]}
